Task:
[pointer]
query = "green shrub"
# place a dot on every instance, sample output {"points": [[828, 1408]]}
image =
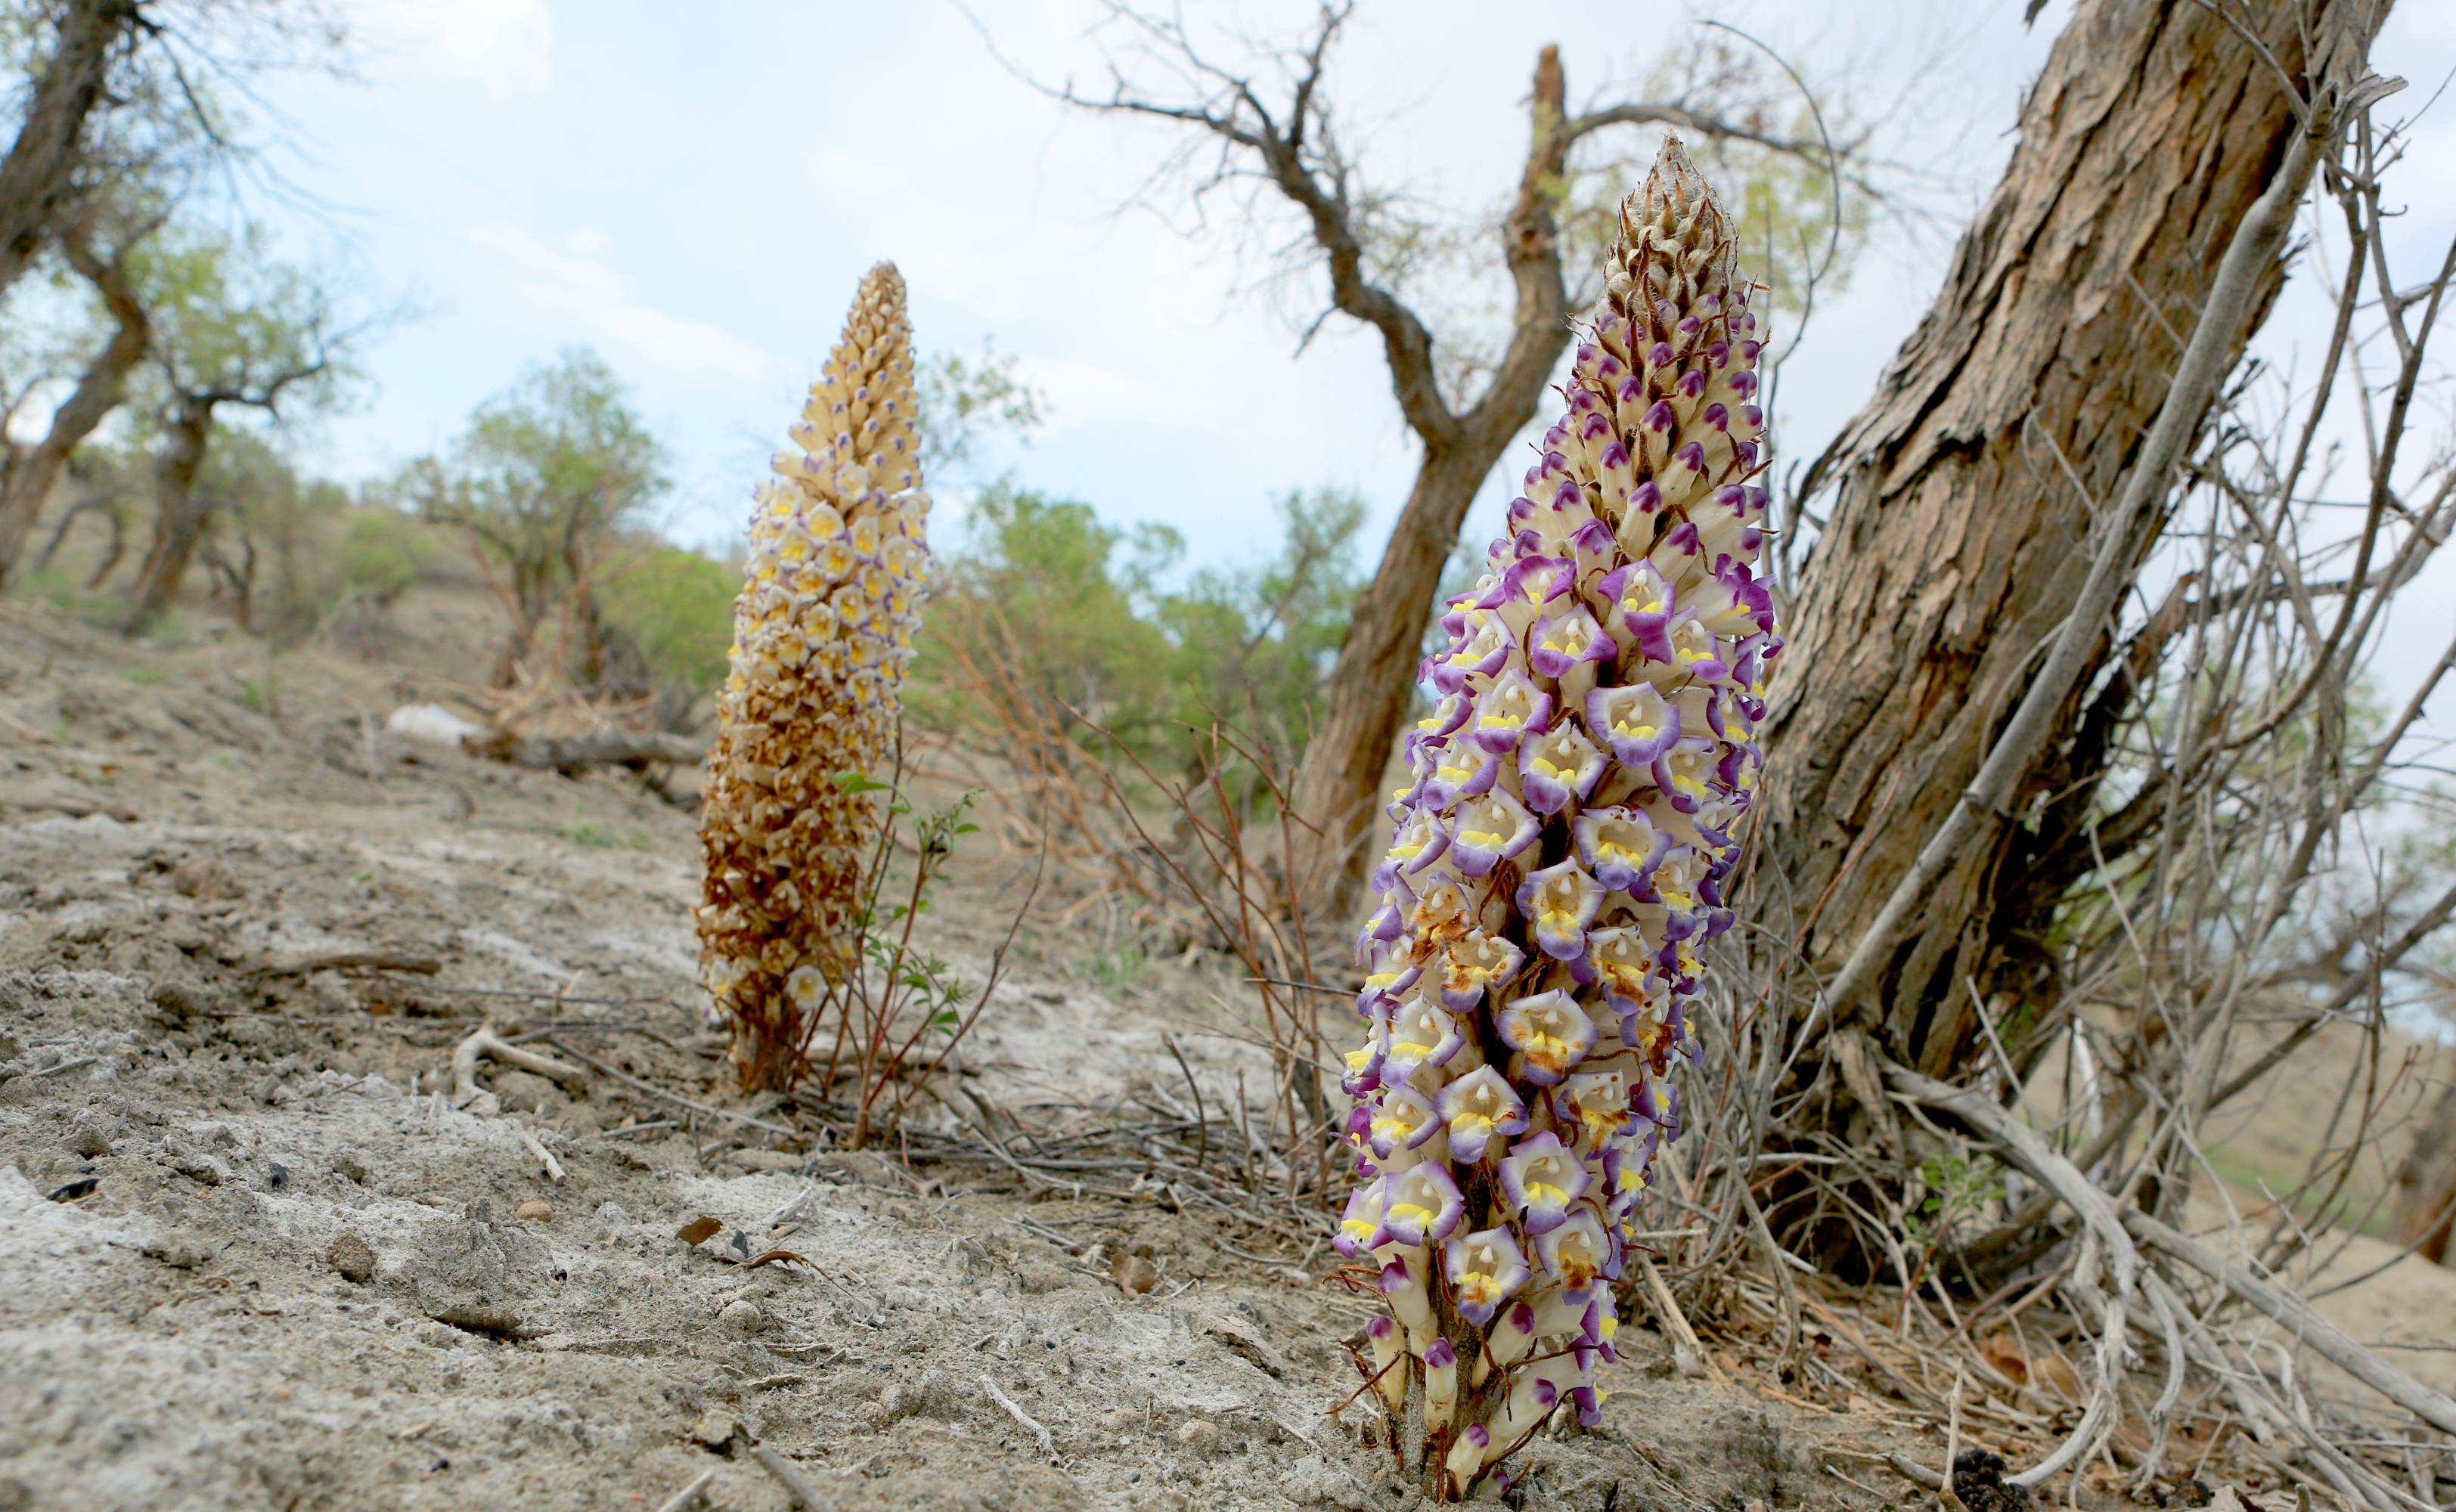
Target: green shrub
{"points": [[677, 607], [384, 553], [1046, 604]]}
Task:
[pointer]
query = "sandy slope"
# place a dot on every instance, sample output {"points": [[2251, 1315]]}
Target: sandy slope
{"points": [[249, 1259]]}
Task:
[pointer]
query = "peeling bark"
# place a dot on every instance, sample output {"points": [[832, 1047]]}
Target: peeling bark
{"points": [[1963, 493]]}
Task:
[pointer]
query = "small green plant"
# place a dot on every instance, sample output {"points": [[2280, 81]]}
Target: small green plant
{"points": [[1956, 1189], [893, 1018], [56, 589], [1118, 967], [599, 837], [145, 676]]}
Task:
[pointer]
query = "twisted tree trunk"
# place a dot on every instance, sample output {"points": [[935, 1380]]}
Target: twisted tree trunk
{"points": [[29, 479], [1338, 788], [1963, 495], [180, 512], [38, 176]]}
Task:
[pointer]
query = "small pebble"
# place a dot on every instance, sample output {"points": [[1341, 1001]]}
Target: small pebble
{"points": [[1199, 1434], [536, 1209], [353, 1256], [1136, 1275], [742, 1318], [715, 1428]]}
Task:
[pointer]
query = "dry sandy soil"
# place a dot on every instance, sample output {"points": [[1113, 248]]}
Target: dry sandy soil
{"points": [[249, 1256], [252, 1257]]}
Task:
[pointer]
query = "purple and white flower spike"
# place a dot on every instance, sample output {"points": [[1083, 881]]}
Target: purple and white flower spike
{"points": [[1561, 848]]}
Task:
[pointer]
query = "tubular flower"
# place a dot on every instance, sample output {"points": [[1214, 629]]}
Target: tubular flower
{"points": [[1561, 851], [822, 633]]}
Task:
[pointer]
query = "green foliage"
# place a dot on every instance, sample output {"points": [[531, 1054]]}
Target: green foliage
{"points": [[230, 319], [1956, 1189], [677, 607], [262, 694], [965, 401], [61, 591], [548, 475], [911, 983], [599, 837], [383, 554], [1119, 967], [1046, 602]]}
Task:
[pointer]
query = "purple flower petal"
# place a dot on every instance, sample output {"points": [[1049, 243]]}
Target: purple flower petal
{"points": [[1477, 1107], [1485, 1269], [1549, 1032], [1561, 900], [1543, 1178], [1425, 1205]]}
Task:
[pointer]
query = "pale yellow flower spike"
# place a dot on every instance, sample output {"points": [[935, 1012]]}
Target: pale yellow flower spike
{"points": [[822, 634]]}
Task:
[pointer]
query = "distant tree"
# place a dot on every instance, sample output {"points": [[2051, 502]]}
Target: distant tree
{"points": [[233, 327], [122, 110], [1264, 118], [543, 482], [277, 544], [68, 49], [966, 400], [109, 93], [1078, 617]]}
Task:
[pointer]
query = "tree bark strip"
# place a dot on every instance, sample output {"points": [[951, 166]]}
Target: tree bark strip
{"points": [[2425, 1182], [1959, 541]]}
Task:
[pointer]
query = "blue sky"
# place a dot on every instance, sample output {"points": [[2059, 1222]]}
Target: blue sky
{"points": [[694, 191], [696, 199]]}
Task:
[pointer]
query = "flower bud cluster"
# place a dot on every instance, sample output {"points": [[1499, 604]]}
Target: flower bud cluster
{"points": [[1562, 848], [822, 634]]}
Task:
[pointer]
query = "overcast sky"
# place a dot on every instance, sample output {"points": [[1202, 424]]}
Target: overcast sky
{"points": [[697, 200], [695, 190]]}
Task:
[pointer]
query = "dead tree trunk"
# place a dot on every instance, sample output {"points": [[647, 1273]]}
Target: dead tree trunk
{"points": [[1340, 781], [1962, 497], [1295, 147], [180, 511]]}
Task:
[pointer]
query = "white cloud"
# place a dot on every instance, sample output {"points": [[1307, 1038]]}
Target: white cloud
{"points": [[577, 289], [508, 46], [1085, 394]]}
